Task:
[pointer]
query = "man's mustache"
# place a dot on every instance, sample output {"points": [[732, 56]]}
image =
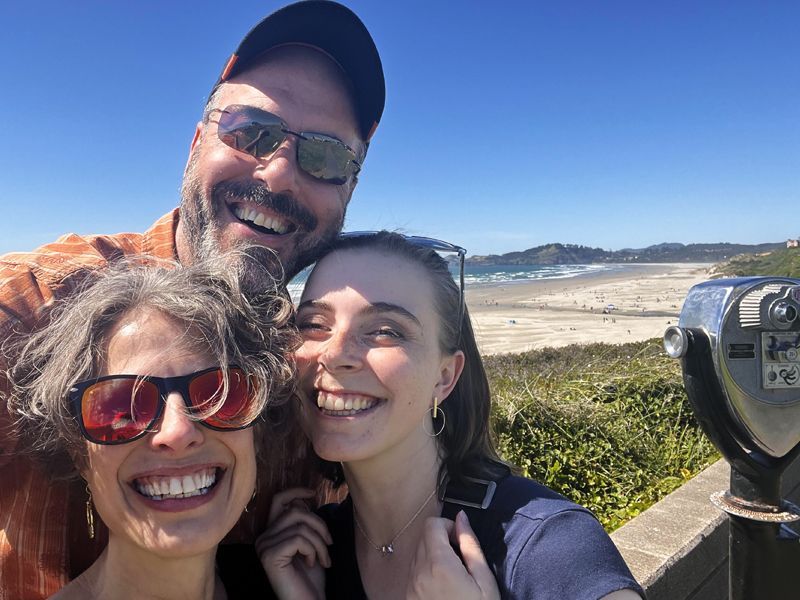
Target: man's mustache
{"points": [[250, 192]]}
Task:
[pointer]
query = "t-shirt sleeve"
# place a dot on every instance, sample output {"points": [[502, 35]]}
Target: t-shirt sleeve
{"points": [[566, 556]]}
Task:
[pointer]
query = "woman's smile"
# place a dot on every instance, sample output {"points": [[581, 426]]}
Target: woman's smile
{"points": [[186, 489], [345, 404]]}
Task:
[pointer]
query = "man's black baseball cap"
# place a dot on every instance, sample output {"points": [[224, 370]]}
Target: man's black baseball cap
{"points": [[333, 29]]}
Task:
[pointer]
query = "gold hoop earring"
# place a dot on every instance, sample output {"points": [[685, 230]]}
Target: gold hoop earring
{"points": [[89, 513], [435, 413]]}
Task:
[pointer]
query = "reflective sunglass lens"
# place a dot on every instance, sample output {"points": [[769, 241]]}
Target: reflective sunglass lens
{"points": [[256, 141], [326, 159], [237, 409], [118, 410], [250, 130]]}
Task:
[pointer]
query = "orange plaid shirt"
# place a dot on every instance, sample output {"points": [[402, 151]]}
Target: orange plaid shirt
{"points": [[43, 533]]}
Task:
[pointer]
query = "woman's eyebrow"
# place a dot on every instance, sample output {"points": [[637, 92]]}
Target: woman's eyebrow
{"points": [[384, 307], [318, 304], [376, 308]]}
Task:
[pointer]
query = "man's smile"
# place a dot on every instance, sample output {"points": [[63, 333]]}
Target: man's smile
{"points": [[256, 217], [263, 211]]}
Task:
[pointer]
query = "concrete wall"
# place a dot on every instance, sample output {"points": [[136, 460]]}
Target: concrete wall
{"points": [[678, 548]]}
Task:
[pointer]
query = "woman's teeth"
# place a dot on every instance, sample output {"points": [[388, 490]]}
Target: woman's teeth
{"points": [[184, 486], [343, 404]]}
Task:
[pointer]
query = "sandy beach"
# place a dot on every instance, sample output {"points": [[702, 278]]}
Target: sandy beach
{"points": [[635, 303]]}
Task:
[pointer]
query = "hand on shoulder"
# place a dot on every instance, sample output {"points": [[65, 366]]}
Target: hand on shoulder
{"points": [[437, 570]]}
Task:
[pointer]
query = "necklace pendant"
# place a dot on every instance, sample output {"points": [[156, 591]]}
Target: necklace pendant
{"points": [[387, 550]]}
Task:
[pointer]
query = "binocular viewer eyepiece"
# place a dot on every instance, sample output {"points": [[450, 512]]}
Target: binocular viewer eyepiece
{"points": [[748, 332]]}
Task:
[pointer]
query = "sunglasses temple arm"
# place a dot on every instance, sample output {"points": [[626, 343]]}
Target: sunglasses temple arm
{"points": [[463, 306]]}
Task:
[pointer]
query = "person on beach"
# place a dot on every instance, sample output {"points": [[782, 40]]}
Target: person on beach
{"points": [[274, 162], [396, 403], [147, 388]]}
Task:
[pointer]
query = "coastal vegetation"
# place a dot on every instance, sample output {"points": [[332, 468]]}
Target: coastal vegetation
{"points": [[571, 254], [608, 426], [779, 263]]}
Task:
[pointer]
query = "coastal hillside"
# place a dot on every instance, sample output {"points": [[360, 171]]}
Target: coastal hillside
{"points": [[571, 254], [779, 263]]}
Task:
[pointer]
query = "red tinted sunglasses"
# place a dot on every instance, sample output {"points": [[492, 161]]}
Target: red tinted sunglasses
{"points": [[116, 409]]}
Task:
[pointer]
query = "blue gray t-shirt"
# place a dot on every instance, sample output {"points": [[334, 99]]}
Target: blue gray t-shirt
{"points": [[540, 546]]}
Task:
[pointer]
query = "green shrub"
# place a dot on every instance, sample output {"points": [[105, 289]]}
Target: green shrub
{"points": [[609, 427]]}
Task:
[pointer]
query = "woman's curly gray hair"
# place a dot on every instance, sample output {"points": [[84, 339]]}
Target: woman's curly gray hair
{"points": [[246, 327]]}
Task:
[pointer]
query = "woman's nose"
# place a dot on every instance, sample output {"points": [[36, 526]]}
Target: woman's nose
{"points": [[176, 431], [341, 352]]}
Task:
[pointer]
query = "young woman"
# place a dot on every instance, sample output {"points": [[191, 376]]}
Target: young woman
{"points": [[146, 385], [395, 397]]}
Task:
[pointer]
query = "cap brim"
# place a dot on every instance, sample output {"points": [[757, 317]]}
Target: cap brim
{"points": [[335, 30]]}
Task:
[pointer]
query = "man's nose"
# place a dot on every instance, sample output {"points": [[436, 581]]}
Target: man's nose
{"points": [[279, 171], [176, 431], [341, 351]]}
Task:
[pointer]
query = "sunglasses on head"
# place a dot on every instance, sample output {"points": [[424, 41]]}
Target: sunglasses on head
{"points": [[259, 133], [116, 409], [430, 244]]}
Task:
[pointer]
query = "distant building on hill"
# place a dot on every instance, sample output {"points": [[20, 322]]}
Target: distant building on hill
{"points": [[793, 243]]}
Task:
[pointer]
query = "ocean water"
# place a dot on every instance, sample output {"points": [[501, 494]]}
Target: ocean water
{"points": [[495, 274], [498, 274]]}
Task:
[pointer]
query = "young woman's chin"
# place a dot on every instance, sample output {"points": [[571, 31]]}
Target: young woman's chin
{"points": [[362, 448], [339, 450], [336, 439]]}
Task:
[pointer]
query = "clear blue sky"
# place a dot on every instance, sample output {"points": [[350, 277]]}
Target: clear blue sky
{"points": [[508, 124]]}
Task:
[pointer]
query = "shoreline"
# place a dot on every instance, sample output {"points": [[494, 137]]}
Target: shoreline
{"points": [[633, 303]]}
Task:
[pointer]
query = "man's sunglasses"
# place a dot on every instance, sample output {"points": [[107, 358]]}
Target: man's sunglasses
{"points": [[430, 244], [259, 133], [116, 409]]}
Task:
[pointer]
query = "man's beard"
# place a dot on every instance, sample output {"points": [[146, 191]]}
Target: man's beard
{"points": [[199, 216]]}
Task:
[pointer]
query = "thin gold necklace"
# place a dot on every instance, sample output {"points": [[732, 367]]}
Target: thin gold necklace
{"points": [[388, 548]]}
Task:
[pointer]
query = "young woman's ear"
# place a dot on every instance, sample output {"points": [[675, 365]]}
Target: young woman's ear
{"points": [[449, 372]]}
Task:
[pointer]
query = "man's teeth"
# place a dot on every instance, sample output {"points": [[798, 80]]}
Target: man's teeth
{"points": [[256, 217], [183, 486], [344, 404]]}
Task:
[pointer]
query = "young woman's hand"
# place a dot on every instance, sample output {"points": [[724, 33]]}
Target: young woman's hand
{"points": [[294, 548], [438, 572]]}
